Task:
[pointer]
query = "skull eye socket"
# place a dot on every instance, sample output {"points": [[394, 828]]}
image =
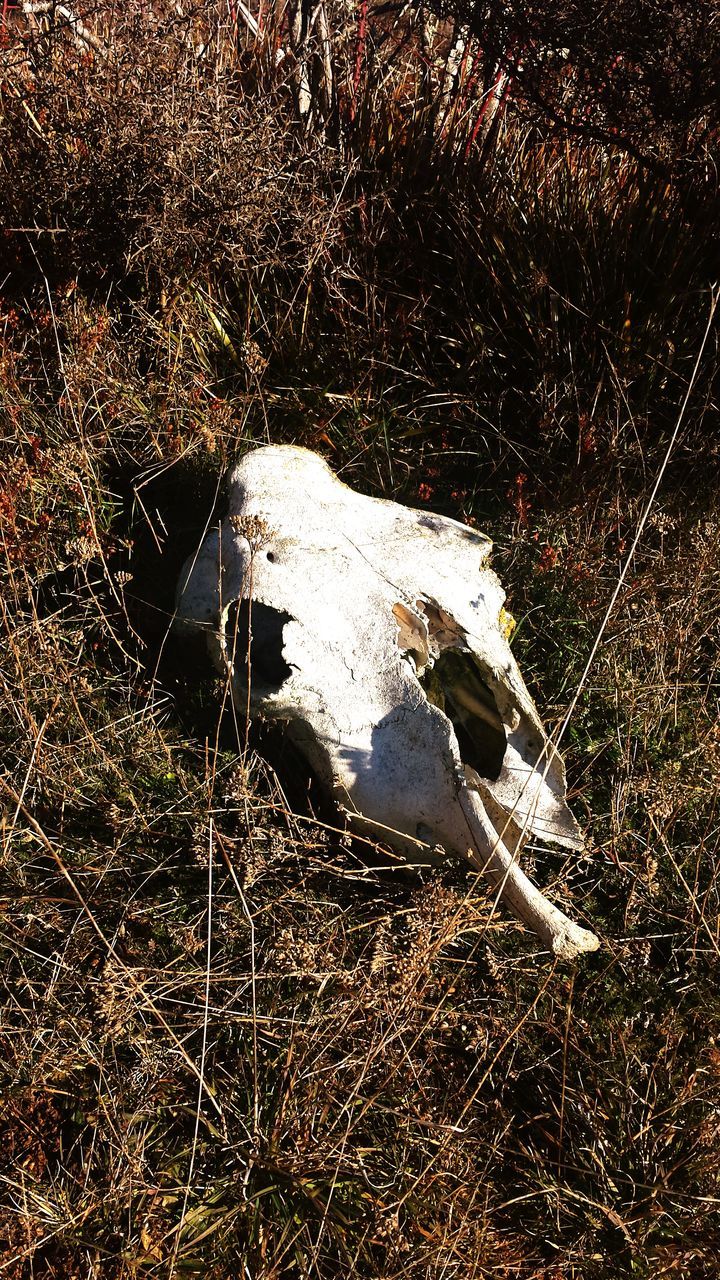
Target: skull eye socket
{"points": [[254, 638], [455, 685]]}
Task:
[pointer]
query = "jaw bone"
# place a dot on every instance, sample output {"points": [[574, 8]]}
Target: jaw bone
{"points": [[376, 632]]}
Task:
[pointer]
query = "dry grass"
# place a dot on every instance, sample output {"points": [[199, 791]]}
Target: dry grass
{"points": [[234, 1043]]}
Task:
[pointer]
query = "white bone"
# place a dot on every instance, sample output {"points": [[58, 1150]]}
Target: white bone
{"points": [[359, 616]]}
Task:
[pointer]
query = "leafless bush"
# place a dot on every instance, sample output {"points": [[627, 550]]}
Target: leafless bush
{"points": [[642, 75], [147, 158]]}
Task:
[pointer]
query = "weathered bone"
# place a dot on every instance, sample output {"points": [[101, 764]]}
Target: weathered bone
{"points": [[377, 633]]}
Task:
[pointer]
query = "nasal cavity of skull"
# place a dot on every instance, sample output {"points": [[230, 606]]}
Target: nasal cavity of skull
{"points": [[254, 639], [455, 684]]}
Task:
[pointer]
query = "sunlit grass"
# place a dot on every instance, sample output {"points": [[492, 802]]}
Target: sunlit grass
{"points": [[234, 1043]]}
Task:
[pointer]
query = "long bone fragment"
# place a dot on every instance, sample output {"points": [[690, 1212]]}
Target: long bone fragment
{"points": [[377, 633]]}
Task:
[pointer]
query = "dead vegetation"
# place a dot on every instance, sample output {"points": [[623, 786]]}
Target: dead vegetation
{"points": [[232, 1042]]}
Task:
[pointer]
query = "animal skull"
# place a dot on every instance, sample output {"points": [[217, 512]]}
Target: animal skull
{"points": [[376, 631]]}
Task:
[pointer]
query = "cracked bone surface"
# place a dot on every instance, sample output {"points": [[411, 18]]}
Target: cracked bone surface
{"points": [[377, 632]]}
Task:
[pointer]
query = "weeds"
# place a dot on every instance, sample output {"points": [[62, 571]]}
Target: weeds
{"points": [[232, 1041]]}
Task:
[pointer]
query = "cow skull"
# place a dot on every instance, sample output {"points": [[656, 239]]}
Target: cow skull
{"points": [[377, 632]]}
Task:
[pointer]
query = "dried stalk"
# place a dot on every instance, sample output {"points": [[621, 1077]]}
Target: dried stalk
{"points": [[83, 35]]}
